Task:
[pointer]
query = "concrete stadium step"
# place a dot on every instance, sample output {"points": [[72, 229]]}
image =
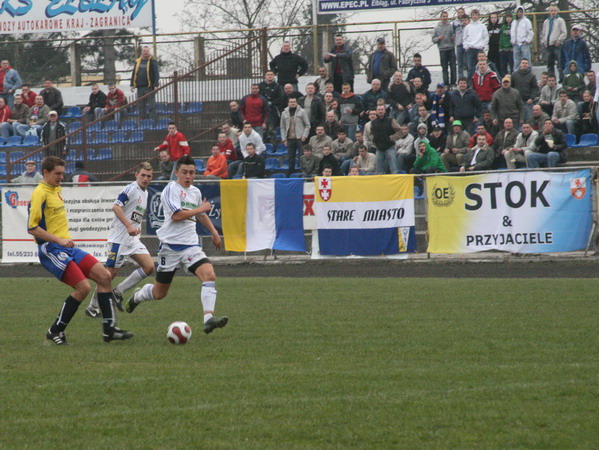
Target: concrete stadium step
{"points": [[583, 154]]}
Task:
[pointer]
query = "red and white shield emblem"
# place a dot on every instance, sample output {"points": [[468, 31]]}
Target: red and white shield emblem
{"points": [[325, 188], [578, 187]]}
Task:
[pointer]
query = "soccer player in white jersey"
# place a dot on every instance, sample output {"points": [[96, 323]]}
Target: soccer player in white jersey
{"points": [[179, 244], [123, 239]]}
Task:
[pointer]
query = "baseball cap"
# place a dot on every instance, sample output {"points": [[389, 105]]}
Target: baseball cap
{"points": [[52, 113], [30, 161], [575, 27], [440, 85], [380, 40], [457, 123]]}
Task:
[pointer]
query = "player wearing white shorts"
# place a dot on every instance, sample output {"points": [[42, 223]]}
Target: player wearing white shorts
{"points": [[179, 244], [123, 239]]}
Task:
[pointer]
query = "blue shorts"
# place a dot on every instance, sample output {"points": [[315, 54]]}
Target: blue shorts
{"points": [[55, 258]]}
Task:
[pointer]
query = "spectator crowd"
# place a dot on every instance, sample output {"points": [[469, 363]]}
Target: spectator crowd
{"points": [[491, 111]]}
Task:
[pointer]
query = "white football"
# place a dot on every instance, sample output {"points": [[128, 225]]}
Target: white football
{"points": [[178, 333]]}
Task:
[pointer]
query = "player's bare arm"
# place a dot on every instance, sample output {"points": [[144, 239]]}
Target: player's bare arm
{"points": [[42, 234], [207, 223]]}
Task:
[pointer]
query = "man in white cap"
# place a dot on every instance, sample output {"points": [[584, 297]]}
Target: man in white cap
{"points": [[53, 130], [30, 176]]}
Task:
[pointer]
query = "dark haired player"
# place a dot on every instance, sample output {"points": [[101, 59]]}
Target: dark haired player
{"points": [[179, 244]]}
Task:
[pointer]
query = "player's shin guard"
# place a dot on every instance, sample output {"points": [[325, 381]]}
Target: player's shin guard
{"points": [[107, 308], [208, 298], [69, 308], [131, 280]]}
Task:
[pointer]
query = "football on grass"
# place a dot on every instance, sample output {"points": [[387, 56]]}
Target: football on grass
{"points": [[178, 333]]}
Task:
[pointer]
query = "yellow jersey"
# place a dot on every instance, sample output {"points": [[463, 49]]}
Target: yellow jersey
{"points": [[47, 211]]}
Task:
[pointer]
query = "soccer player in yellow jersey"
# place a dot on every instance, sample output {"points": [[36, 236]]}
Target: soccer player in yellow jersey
{"points": [[49, 226]]}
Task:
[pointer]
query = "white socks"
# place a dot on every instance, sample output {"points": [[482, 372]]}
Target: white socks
{"points": [[208, 298], [144, 294], [135, 277]]}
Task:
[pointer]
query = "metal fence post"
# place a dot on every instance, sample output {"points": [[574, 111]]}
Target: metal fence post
{"points": [[176, 96], [263, 50]]}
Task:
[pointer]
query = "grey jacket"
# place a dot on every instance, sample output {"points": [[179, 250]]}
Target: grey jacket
{"points": [[507, 103], [302, 124], [344, 57], [446, 31]]}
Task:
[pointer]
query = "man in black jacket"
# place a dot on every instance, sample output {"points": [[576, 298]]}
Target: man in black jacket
{"points": [[288, 66], [464, 106], [52, 130], [385, 131], [550, 147], [253, 164], [97, 101], [273, 92], [52, 97]]}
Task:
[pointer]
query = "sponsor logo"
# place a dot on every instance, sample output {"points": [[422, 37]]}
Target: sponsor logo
{"points": [[156, 213], [12, 199], [325, 188], [578, 187], [62, 256], [442, 195]]}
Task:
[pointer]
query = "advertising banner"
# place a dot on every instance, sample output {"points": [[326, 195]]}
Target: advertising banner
{"points": [[365, 216], [518, 212], [51, 16], [89, 210], [334, 6]]}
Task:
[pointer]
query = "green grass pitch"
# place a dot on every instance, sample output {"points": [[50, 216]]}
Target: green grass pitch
{"points": [[311, 363]]}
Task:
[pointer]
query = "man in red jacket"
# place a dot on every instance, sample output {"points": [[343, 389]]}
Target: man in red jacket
{"points": [[28, 95], [225, 147], [485, 82], [254, 109], [114, 100], [176, 144]]}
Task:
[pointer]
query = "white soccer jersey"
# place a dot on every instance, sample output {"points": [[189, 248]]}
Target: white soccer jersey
{"points": [[133, 200], [177, 198]]}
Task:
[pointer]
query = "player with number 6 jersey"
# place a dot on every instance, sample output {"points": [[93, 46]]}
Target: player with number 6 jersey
{"points": [[179, 244]]}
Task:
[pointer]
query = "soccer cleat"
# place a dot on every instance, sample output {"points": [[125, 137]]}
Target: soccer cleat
{"points": [[92, 312], [58, 338], [214, 323], [117, 298], [116, 334], [130, 304]]}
